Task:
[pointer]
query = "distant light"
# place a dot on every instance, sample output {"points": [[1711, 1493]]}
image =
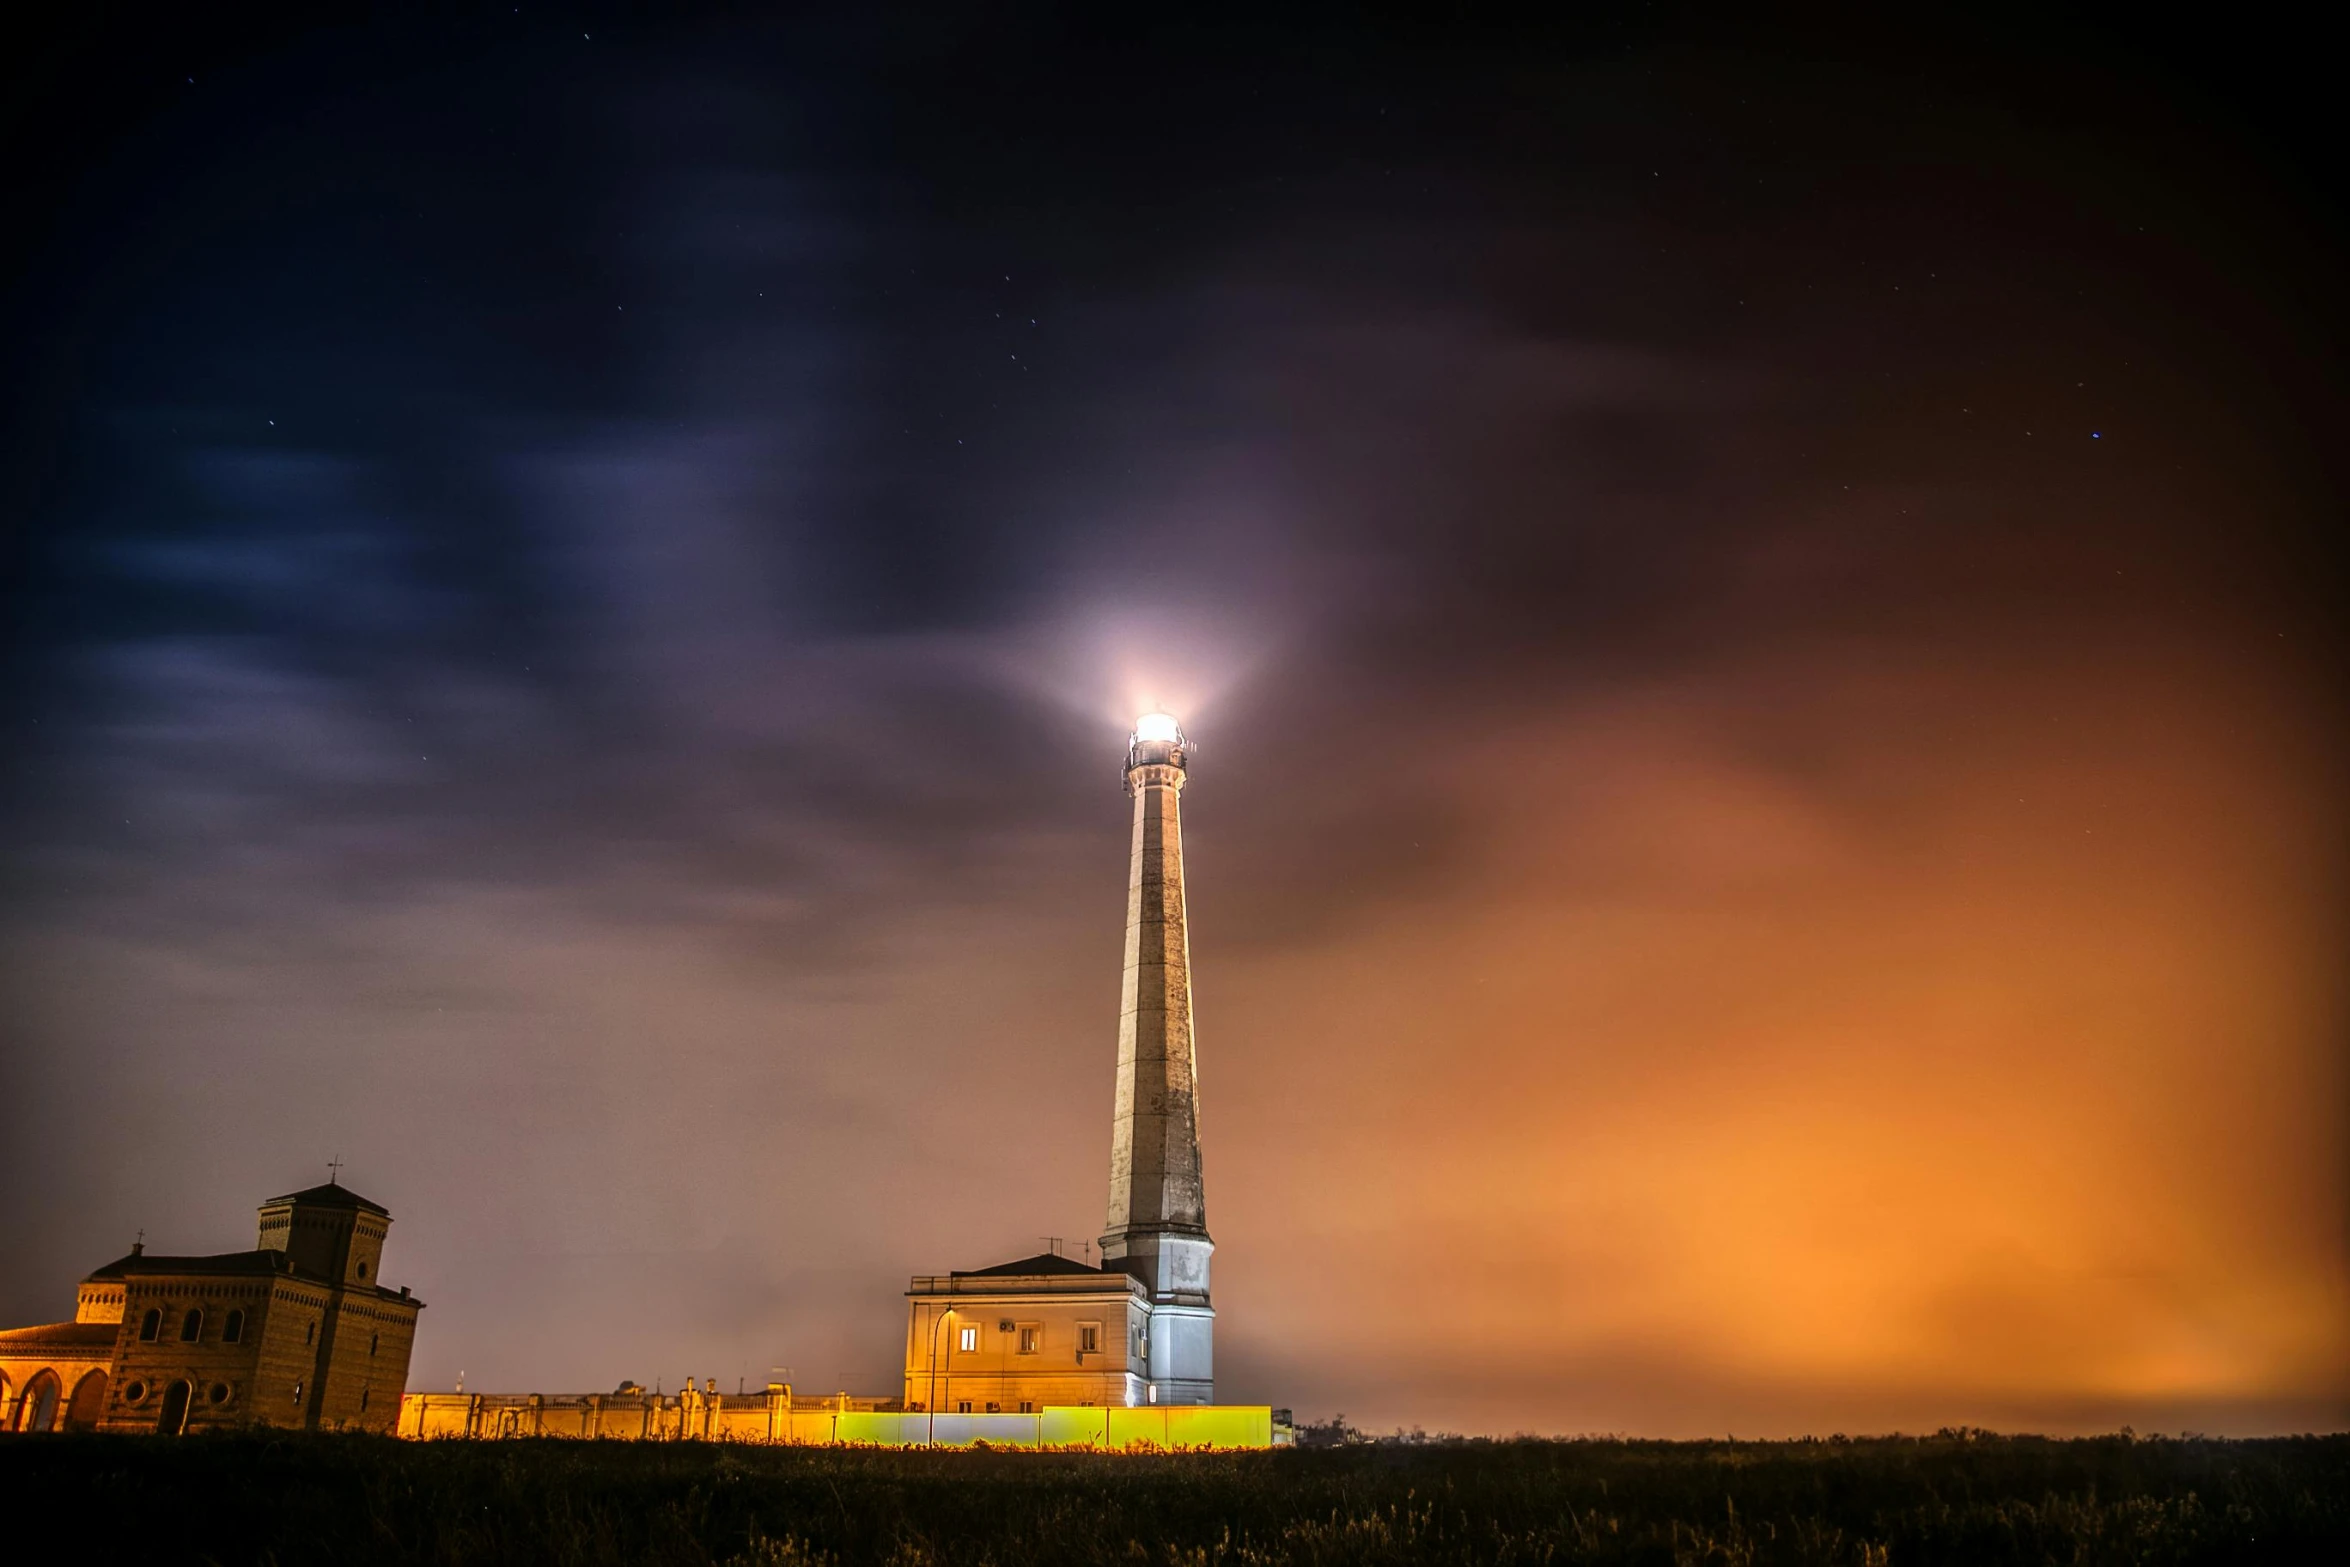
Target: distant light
{"points": [[2096, 435], [1158, 727]]}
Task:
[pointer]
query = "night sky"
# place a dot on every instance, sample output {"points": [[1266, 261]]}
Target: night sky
{"points": [[1756, 602]]}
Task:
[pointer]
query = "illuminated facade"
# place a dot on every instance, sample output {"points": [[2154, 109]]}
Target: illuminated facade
{"points": [[1047, 1330], [298, 1332], [1139, 1330]]}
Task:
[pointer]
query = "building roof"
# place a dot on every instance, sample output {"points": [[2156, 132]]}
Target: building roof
{"points": [[70, 1338], [332, 1195], [1044, 1262], [240, 1264], [226, 1263]]}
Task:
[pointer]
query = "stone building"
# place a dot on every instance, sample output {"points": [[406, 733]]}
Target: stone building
{"points": [[299, 1332], [1047, 1330], [1138, 1330]]}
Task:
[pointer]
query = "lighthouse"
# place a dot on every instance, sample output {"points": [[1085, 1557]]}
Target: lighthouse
{"points": [[1137, 1330], [1157, 1230]]}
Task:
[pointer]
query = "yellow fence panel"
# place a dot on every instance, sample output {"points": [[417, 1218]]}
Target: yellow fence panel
{"points": [[1146, 1427], [1220, 1425], [1072, 1426]]}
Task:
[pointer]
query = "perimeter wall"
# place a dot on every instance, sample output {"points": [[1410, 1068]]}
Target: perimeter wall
{"points": [[778, 1417]]}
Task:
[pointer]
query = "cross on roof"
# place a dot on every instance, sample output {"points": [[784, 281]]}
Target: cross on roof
{"points": [[334, 1167]]}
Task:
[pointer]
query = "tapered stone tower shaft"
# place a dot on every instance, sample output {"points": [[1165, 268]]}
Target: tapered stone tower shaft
{"points": [[1158, 1222]]}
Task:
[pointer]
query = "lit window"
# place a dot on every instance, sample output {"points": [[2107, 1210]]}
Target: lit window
{"points": [[151, 1327], [232, 1328], [191, 1327], [967, 1340], [297, 1392], [1031, 1338]]}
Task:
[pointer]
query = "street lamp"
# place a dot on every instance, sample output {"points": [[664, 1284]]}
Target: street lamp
{"points": [[936, 1323]]}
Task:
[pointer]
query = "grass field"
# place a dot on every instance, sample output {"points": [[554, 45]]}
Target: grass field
{"points": [[1950, 1499]]}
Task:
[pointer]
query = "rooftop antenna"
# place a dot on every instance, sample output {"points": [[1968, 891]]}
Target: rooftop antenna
{"points": [[1052, 1244]]}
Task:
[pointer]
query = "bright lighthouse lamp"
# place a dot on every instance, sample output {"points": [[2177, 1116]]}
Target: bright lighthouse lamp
{"points": [[1159, 728]]}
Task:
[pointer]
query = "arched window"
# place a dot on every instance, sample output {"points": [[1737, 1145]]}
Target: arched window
{"points": [[37, 1408], [151, 1326], [363, 1398], [192, 1325], [232, 1331], [373, 1339], [310, 1333]]}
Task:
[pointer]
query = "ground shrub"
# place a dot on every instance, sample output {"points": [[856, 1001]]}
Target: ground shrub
{"points": [[1964, 1498]]}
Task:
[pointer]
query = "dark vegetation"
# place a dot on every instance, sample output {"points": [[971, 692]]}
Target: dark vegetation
{"points": [[1955, 1498]]}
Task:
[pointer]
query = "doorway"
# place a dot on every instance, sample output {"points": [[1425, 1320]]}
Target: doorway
{"points": [[87, 1404], [174, 1418]]}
